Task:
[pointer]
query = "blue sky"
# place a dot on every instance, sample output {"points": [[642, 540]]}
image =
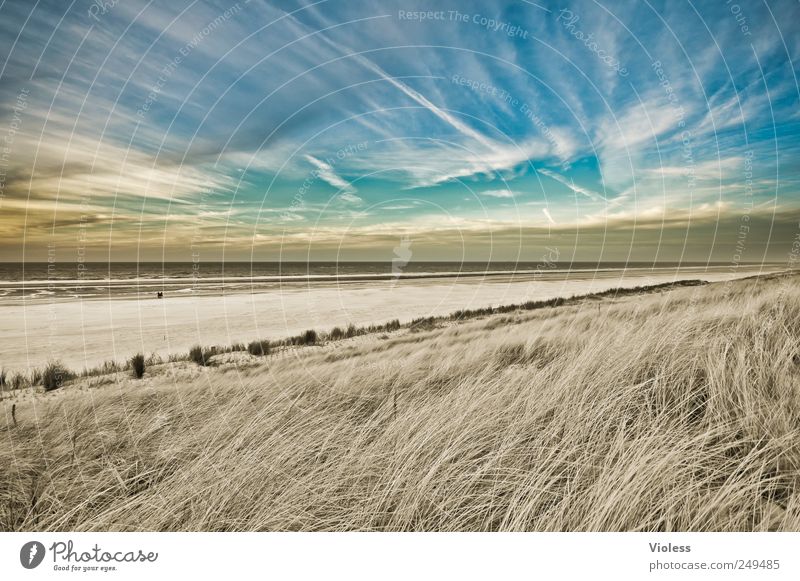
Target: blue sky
{"points": [[332, 130]]}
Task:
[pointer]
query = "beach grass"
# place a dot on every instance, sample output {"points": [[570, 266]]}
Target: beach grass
{"points": [[258, 348], [137, 364], [668, 410], [54, 375]]}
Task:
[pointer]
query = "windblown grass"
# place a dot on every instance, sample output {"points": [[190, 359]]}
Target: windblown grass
{"points": [[137, 365], [258, 348], [55, 375], [202, 356], [672, 411]]}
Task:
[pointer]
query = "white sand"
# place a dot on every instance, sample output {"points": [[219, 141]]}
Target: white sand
{"points": [[87, 333]]}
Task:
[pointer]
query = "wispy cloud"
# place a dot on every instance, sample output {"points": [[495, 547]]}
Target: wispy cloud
{"points": [[350, 198], [498, 193], [591, 194], [326, 173]]}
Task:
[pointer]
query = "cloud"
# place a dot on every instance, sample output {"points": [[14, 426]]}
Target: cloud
{"points": [[454, 122], [327, 174], [350, 198], [498, 193], [66, 167], [714, 169], [398, 207], [445, 116], [596, 196], [426, 162], [479, 155]]}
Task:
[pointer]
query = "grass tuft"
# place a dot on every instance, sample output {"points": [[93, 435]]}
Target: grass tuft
{"points": [[202, 356], [55, 375], [137, 365], [258, 348]]}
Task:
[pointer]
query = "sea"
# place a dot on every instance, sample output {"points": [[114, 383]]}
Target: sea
{"points": [[95, 280]]}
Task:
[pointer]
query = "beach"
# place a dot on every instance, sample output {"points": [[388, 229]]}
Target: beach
{"points": [[86, 332], [633, 412]]}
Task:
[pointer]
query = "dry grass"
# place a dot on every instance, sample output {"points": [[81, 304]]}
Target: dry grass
{"points": [[671, 411]]}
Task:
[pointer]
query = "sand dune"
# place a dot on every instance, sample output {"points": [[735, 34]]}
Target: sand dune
{"points": [[671, 411]]}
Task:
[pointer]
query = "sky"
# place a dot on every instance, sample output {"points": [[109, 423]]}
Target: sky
{"points": [[338, 130]]}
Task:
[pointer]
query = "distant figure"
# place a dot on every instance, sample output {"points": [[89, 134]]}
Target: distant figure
{"points": [[160, 294]]}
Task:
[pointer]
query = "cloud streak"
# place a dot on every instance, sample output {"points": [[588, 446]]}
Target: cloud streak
{"points": [[327, 174], [591, 194]]}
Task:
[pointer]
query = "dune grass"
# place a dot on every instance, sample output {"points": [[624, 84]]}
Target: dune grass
{"points": [[137, 364], [660, 412], [258, 348], [54, 375]]}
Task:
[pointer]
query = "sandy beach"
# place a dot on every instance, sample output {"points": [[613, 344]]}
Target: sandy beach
{"points": [[633, 412], [86, 333]]}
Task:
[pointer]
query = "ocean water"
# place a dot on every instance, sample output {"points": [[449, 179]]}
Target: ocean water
{"points": [[42, 281]]}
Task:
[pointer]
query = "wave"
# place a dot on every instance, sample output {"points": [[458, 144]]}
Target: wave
{"points": [[182, 280]]}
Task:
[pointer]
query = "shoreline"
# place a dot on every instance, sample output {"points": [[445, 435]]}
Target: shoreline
{"points": [[34, 292], [84, 334], [203, 354], [337, 334]]}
